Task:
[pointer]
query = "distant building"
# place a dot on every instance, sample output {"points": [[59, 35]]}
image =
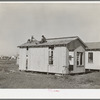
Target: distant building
{"points": [[13, 57], [63, 55], [4, 57]]}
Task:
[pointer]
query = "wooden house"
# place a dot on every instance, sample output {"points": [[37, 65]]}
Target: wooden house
{"points": [[63, 55], [92, 56]]}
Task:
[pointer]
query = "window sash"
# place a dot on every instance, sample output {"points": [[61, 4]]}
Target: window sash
{"points": [[79, 58], [50, 56], [90, 57]]}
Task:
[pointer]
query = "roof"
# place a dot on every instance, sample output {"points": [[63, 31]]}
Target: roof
{"points": [[52, 41], [93, 46]]}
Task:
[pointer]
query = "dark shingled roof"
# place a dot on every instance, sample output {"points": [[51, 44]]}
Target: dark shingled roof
{"points": [[51, 41], [93, 46]]}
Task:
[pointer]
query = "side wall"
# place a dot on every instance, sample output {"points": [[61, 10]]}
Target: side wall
{"points": [[60, 60], [96, 60], [38, 59]]}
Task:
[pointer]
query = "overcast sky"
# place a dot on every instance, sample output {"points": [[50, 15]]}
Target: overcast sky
{"points": [[19, 21]]}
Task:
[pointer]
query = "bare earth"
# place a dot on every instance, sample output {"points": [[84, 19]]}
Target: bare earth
{"points": [[11, 77]]}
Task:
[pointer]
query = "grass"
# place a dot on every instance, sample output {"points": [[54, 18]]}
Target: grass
{"points": [[11, 77]]}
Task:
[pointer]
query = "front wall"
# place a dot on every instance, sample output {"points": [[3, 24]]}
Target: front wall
{"points": [[75, 44], [79, 69], [96, 60]]}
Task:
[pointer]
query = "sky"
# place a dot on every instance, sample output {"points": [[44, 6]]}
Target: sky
{"points": [[19, 21]]}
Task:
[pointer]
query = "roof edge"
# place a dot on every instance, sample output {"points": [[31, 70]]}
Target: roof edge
{"points": [[62, 38], [82, 42]]}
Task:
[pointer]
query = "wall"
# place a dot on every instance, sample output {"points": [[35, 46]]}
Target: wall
{"points": [[96, 60], [74, 45], [38, 59], [60, 60], [79, 69], [22, 59]]}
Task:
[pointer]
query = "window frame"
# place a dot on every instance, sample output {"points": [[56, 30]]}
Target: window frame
{"points": [[90, 57], [80, 57], [51, 56]]}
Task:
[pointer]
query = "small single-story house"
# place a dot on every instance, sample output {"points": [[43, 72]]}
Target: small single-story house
{"points": [[56, 55], [92, 56]]}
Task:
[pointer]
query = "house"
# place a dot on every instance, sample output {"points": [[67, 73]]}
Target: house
{"points": [[63, 55], [92, 56]]}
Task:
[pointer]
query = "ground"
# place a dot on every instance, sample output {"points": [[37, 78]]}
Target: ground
{"points": [[11, 77]]}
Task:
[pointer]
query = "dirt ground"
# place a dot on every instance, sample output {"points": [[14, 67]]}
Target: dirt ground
{"points": [[11, 77]]}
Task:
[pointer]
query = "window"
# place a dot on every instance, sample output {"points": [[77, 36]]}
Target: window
{"points": [[51, 55], [79, 58], [90, 57]]}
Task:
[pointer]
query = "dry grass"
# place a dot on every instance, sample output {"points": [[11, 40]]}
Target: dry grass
{"points": [[10, 77]]}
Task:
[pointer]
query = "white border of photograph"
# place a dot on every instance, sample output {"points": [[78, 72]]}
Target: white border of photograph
{"points": [[50, 93]]}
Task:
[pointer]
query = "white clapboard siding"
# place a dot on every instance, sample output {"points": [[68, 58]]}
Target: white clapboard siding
{"points": [[38, 59], [22, 59], [33, 59], [96, 60], [59, 60], [29, 59], [63, 59]]}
